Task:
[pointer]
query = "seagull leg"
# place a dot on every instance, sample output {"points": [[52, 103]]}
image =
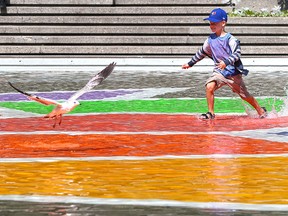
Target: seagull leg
{"points": [[60, 121], [55, 121]]}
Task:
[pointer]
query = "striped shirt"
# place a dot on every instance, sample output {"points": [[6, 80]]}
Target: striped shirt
{"points": [[227, 49]]}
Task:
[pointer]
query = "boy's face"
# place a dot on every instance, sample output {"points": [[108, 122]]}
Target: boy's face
{"points": [[217, 27]]}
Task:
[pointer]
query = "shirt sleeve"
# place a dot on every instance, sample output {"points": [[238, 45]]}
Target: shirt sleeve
{"points": [[236, 51], [201, 53]]}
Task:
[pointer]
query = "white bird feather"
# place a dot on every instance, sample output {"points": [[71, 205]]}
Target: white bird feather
{"points": [[71, 103]]}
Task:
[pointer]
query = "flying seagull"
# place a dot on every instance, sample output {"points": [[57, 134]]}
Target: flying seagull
{"points": [[71, 103]]}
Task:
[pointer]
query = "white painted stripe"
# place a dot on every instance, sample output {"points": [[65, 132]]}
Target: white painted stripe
{"points": [[138, 158], [130, 62], [273, 134], [13, 113], [146, 93], [200, 67], [143, 202]]}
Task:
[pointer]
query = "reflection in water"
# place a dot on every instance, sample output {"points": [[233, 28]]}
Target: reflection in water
{"points": [[205, 180], [238, 180], [71, 80], [284, 110]]}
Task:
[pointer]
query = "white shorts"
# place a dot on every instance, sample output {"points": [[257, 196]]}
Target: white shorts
{"points": [[236, 83]]}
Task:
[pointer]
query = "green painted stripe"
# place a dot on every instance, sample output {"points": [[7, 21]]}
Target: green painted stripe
{"points": [[169, 105]]}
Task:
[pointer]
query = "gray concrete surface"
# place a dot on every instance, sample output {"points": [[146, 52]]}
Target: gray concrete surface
{"points": [[138, 50], [107, 31], [134, 40], [139, 20], [135, 10], [256, 5], [117, 2], [128, 27], [60, 2], [171, 2], [267, 77]]}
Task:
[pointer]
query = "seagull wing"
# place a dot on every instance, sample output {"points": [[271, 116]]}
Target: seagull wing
{"points": [[94, 81], [36, 98]]}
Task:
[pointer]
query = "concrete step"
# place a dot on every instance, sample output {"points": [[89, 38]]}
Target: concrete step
{"points": [[138, 20], [113, 11], [136, 30], [128, 28], [117, 2], [134, 40], [129, 50], [172, 2], [61, 2]]}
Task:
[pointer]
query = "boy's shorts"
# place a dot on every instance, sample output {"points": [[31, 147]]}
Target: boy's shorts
{"points": [[236, 83]]}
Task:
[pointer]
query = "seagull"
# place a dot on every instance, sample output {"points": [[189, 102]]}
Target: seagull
{"points": [[71, 103]]}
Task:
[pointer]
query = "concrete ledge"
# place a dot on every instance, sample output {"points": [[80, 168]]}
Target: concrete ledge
{"points": [[171, 2], [137, 30], [132, 61], [60, 2], [131, 64], [137, 20], [108, 40], [128, 50], [102, 20], [138, 40], [162, 10], [128, 28], [102, 30], [257, 30], [117, 2]]}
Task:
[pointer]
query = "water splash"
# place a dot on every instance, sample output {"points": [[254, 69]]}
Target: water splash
{"points": [[251, 112], [284, 108], [273, 113]]}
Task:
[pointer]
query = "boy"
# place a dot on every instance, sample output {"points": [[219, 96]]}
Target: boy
{"points": [[225, 51]]}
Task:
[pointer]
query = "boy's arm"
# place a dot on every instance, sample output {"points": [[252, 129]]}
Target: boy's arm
{"points": [[236, 51], [200, 54]]}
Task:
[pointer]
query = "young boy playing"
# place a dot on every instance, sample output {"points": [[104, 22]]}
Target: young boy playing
{"points": [[224, 49]]}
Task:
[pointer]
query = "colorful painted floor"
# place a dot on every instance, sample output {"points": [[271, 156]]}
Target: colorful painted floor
{"points": [[144, 152]]}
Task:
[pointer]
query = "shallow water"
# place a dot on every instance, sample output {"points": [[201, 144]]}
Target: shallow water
{"points": [[259, 83], [215, 176]]}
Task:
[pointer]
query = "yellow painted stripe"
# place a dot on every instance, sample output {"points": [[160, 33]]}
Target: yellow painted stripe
{"points": [[241, 180]]}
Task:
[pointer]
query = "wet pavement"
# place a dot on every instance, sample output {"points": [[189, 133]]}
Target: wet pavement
{"points": [[259, 83]]}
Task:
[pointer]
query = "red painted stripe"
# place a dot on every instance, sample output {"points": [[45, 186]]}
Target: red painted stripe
{"points": [[142, 122], [62, 145]]}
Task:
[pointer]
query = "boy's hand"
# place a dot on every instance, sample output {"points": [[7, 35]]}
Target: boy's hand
{"points": [[221, 65], [185, 66]]}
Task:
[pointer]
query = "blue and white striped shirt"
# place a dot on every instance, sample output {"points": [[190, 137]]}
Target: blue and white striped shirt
{"points": [[227, 49]]}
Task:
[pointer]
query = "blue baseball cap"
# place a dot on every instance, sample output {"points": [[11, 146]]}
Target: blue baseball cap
{"points": [[217, 15]]}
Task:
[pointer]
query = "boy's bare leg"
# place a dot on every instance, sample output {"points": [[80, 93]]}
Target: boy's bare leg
{"points": [[239, 87], [253, 102], [210, 89]]}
